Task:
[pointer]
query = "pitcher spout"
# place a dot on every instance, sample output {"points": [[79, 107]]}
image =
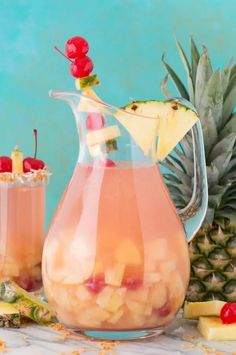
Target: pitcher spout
{"points": [[70, 97]]}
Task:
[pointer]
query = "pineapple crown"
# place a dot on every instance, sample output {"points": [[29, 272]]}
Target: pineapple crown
{"points": [[213, 93]]}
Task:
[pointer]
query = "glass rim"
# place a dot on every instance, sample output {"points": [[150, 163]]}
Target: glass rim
{"points": [[60, 94]]}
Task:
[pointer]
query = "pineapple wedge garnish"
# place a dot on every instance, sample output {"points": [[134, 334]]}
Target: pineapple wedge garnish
{"points": [[169, 120], [212, 328], [194, 310]]}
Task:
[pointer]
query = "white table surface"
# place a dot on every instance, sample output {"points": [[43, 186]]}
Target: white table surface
{"points": [[181, 337]]}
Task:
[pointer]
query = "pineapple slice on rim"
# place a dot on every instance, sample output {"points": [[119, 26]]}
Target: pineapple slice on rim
{"points": [[169, 120], [144, 120]]}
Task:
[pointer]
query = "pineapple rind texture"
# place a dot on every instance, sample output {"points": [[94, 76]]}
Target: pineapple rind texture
{"points": [[27, 304], [9, 316], [213, 250]]}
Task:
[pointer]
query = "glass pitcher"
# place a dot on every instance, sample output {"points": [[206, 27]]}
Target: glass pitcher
{"points": [[115, 261]]}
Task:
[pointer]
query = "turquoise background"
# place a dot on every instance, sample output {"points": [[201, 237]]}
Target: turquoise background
{"points": [[127, 39]]}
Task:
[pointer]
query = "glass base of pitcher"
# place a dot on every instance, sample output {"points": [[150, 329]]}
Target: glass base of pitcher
{"points": [[120, 334]]}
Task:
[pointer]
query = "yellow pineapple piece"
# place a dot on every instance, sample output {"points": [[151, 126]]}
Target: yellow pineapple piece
{"points": [[104, 296], [116, 301], [158, 295], [135, 307], [92, 316], [17, 161], [194, 310], [141, 129], [102, 135], [139, 295], [82, 294], [114, 276], [176, 285], [116, 316], [128, 253], [110, 299], [170, 120], [147, 310], [212, 328]]}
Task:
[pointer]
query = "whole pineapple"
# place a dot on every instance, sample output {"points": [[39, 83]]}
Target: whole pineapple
{"points": [[213, 249]]}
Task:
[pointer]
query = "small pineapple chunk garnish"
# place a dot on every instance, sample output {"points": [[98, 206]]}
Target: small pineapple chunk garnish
{"points": [[102, 135], [212, 328], [87, 81], [194, 310], [9, 316], [28, 305]]}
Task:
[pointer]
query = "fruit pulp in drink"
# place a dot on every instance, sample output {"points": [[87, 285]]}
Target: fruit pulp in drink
{"points": [[21, 233], [116, 256]]}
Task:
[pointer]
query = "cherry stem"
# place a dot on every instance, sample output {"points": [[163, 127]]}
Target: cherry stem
{"points": [[59, 51], [35, 143]]}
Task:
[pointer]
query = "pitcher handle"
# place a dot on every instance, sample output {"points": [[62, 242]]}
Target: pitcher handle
{"points": [[194, 213]]}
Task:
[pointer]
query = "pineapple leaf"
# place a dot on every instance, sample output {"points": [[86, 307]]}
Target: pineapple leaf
{"points": [[186, 163], [225, 212], [188, 70], [226, 75], [186, 147], [233, 71], [179, 201], [222, 161], [230, 100], [164, 87], [209, 217], [230, 127], [176, 80], [185, 191], [204, 72], [231, 166], [231, 85], [212, 97], [212, 175], [194, 58], [225, 145], [209, 129], [184, 178], [215, 200], [175, 162]]}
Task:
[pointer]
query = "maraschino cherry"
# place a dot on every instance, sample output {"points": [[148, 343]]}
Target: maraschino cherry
{"points": [[228, 313], [95, 284], [95, 121], [81, 67], [76, 47], [5, 165], [33, 163], [81, 64]]}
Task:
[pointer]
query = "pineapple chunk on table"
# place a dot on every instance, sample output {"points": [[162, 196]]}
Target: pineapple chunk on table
{"points": [[194, 310], [212, 328]]}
